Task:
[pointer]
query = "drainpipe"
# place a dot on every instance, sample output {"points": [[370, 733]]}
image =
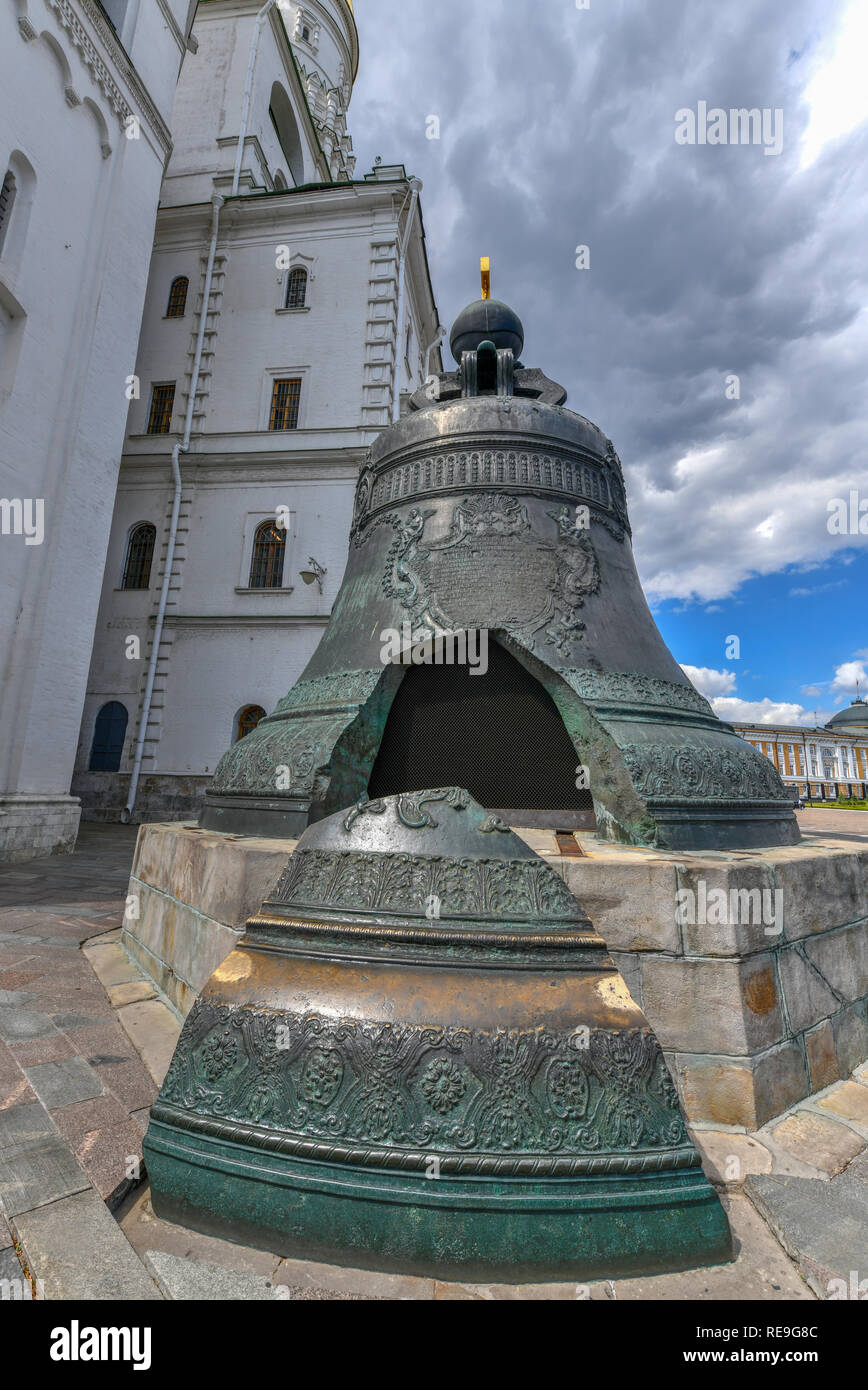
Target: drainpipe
{"points": [[182, 448], [435, 342], [248, 90], [416, 189]]}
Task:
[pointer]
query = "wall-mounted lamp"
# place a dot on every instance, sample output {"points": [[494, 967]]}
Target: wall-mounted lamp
{"points": [[315, 574]]}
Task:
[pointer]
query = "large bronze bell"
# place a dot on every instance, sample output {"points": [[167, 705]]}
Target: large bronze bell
{"points": [[491, 509], [421, 1058]]}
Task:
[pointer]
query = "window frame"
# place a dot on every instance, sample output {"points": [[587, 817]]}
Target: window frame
{"points": [[268, 521], [177, 281], [296, 270], [138, 588], [7, 213], [288, 380], [155, 387], [247, 709]]}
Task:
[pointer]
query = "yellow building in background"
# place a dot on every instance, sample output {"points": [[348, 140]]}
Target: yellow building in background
{"points": [[822, 763]]}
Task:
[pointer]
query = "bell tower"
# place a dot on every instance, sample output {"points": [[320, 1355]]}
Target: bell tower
{"points": [[326, 45]]}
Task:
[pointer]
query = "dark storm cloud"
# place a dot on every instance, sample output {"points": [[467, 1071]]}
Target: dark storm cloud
{"points": [[557, 129]]}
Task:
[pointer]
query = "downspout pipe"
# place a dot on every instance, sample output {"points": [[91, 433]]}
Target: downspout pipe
{"points": [[435, 342], [248, 91], [180, 448], [415, 190]]}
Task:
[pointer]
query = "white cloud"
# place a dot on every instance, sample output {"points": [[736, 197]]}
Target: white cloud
{"points": [[846, 676], [736, 711], [838, 92], [708, 681]]}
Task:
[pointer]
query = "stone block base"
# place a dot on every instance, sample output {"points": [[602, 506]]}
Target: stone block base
{"points": [[33, 826], [751, 966], [190, 894]]}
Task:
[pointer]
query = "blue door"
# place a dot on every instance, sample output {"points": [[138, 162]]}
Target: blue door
{"points": [[108, 738]]}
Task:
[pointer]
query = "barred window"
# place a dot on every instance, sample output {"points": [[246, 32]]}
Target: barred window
{"points": [[285, 400], [248, 720], [266, 565], [296, 288], [162, 403], [140, 552], [177, 305], [7, 198]]}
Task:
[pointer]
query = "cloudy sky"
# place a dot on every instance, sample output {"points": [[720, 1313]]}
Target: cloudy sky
{"points": [[707, 262]]}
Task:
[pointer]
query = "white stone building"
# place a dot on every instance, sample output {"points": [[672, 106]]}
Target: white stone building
{"points": [[318, 316], [86, 109]]}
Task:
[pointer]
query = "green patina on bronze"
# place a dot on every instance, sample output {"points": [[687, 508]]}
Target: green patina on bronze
{"points": [[493, 507], [421, 1058]]}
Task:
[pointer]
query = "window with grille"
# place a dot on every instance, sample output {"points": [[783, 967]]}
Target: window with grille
{"points": [[248, 720], [178, 298], [140, 552], [296, 288], [266, 565], [7, 198], [162, 403], [285, 399]]}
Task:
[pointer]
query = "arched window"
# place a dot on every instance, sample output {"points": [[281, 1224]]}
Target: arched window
{"points": [[7, 198], [140, 552], [248, 720], [178, 298], [284, 122], [266, 565], [296, 288], [109, 733]]}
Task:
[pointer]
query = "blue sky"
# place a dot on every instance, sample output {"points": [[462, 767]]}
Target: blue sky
{"points": [[556, 128]]}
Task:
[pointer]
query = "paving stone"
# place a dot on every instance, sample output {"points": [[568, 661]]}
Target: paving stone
{"points": [[18, 978], [14, 1285], [859, 1167], [21, 1123], [102, 1112], [62, 1083], [112, 1159], [819, 1142], [38, 1172], [142, 1119], [70, 1023], [15, 998], [189, 1280], [5, 1233], [133, 993], [728, 1158], [53, 1048], [77, 1248], [820, 1224], [24, 1023], [17, 1091], [129, 1080], [111, 965], [154, 1031], [849, 1100]]}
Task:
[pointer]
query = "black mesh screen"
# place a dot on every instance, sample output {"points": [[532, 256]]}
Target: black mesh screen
{"points": [[499, 735]]}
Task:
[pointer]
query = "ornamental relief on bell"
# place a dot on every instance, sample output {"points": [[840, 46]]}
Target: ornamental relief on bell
{"points": [[519, 1090], [493, 569]]}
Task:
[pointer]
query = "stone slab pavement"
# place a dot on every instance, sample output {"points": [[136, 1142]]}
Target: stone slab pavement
{"points": [[85, 1042]]}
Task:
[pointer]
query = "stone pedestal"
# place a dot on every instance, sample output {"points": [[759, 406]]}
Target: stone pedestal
{"points": [[753, 1015]]}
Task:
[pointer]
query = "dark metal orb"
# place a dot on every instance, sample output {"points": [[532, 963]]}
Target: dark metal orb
{"points": [[486, 319]]}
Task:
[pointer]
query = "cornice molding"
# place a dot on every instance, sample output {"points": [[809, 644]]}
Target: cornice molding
{"points": [[100, 71]]}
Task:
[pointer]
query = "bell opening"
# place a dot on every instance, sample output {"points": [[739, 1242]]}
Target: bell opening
{"points": [[497, 732]]}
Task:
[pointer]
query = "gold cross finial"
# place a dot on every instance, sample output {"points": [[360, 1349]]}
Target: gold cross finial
{"points": [[485, 267]]}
